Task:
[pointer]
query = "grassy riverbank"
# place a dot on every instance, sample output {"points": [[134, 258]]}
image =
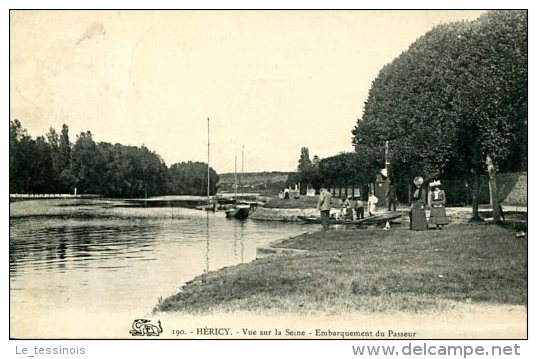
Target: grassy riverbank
{"points": [[370, 270]]}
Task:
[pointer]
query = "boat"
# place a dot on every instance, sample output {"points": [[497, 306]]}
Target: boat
{"points": [[206, 207], [240, 210], [373, 220]]}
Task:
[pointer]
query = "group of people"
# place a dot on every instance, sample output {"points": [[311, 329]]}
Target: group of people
{"points": [[438, 216], [353, 207]]}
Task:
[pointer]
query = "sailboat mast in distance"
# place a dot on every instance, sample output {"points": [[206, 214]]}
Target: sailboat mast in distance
{"points": [[235, 185], [208, 166], [242, 174], [241, 210]]}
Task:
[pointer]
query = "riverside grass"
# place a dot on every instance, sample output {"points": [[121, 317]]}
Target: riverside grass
{"points": [[369, 270]]}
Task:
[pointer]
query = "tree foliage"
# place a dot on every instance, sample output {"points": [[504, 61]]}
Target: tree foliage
{"points": [[307, 171], [304, 162], [52, 164], [457, 96], [30, 161], [191, 178], [339, 171]]}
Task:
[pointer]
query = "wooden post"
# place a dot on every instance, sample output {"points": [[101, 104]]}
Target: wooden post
{"points": [[475, 196], [491, 169]]}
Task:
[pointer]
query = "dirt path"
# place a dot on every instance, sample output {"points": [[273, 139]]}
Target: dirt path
{"points": [[464, 321]]}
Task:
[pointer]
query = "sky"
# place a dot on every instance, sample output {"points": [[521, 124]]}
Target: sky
{"points": [[271, 81]]}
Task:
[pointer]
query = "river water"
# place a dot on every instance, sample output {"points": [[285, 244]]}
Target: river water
{"points": [[92, 259]]}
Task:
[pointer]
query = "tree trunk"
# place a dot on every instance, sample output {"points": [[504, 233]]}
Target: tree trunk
{"points": [[475, 196], [491, 169], [468, 194]]}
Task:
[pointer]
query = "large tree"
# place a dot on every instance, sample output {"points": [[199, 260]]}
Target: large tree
{"points": [[454, 102], [304, 162], [60, 152], [307, 171], [30, 162], [18, 172], [492, 100]]}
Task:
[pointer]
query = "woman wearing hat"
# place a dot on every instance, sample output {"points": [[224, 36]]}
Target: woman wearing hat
{"points": [[438, 215], [418, 222]]}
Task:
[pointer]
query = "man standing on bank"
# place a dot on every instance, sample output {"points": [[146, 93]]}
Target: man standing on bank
{"points": [[359, 208], [392, 197], [324, 205]]}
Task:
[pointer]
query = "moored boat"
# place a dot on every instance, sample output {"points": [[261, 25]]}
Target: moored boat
{"points": [[207, 207], [240, 212], [373, 220]]}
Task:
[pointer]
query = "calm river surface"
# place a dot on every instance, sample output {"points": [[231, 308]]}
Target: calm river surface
{"points": [[91, 258]]}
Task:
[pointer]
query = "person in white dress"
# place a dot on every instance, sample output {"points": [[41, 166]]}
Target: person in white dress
{"points": [[372, 203]]}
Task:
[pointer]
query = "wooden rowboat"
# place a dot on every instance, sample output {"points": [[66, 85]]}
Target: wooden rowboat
{"points": [[373, 220], [239, 212]]}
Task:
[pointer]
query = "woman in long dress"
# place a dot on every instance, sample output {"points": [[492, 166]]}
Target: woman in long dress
{"points": [[372, 203], [438, 215], [418, 221]]}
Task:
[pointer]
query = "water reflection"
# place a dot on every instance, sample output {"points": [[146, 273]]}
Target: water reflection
{"points": [[101, 256], [74, 242]]}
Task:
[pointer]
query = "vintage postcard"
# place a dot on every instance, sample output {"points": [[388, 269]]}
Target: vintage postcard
{"points": [[248, 174]]}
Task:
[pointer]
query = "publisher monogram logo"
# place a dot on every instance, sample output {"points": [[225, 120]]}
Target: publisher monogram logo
{"points": [[144, 327]]}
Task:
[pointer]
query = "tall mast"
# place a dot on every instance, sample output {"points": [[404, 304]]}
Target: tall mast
{"points": [[242, 173], [208, 166], [235, 179]]}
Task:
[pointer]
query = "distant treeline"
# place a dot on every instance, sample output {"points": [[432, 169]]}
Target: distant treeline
{"points": [[265, 182], [52, 164]]}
